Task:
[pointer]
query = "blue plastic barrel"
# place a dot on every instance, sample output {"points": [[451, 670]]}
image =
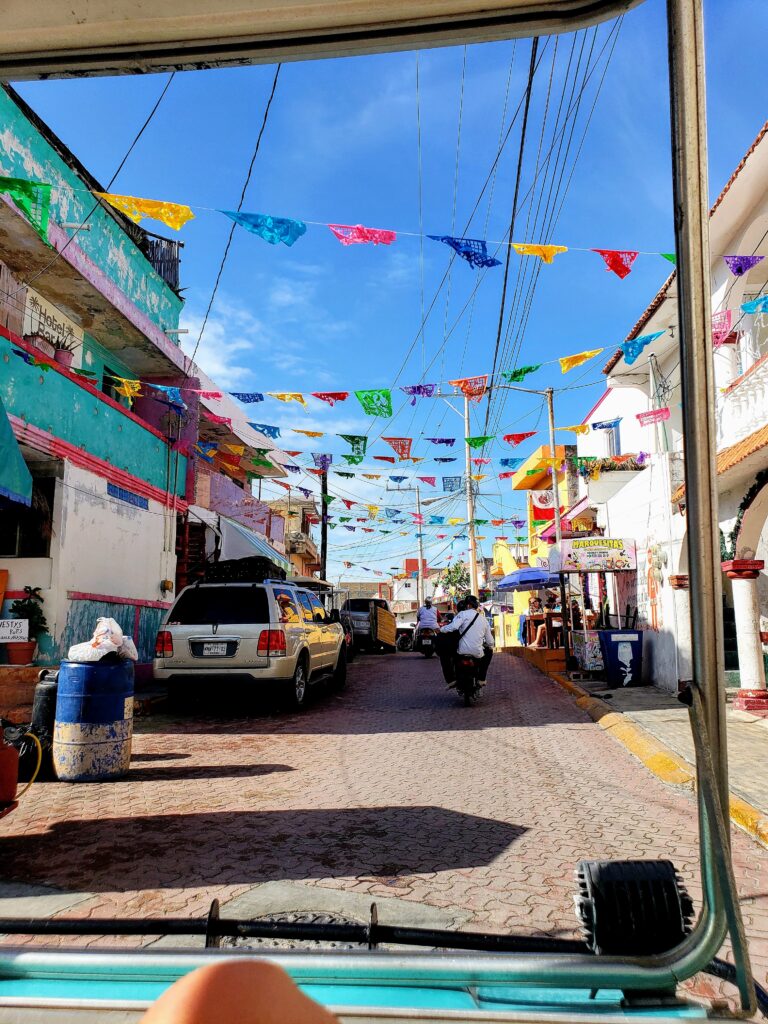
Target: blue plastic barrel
{"points": [[94, 721]]}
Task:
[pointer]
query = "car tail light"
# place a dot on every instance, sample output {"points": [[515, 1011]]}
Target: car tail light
{"points": [[271, 643], [164, 644]]}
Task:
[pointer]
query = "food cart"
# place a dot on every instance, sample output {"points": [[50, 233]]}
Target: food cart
{"points": [[617, 652]]}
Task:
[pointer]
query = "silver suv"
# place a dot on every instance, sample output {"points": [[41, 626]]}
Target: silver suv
{"points": [[272, 632]]}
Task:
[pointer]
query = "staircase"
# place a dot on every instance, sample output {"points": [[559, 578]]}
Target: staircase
{"points": [[190, 553]]}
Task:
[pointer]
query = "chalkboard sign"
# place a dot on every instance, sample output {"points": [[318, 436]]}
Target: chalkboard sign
{"points": [[13, 630]]}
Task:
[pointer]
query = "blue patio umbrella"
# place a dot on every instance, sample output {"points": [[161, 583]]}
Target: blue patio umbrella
{"points": [[529, 579]]}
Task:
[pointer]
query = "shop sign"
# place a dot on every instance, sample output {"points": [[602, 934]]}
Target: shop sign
{"points": [[595, 554], [43, 319], [14, 630]]}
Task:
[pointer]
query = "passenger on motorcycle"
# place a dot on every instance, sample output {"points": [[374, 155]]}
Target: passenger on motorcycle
{"points": [[426, 617], [477, 639]]}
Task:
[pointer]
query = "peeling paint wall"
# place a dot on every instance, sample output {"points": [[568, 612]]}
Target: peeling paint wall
{"points": [[25, 153]]}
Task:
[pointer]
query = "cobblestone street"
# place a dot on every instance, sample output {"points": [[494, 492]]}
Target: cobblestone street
{"points": [[390, 790]]}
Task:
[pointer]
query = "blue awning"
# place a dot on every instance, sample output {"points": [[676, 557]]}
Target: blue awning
{"points": [[15, 478], [239, 542], [528, 579]]}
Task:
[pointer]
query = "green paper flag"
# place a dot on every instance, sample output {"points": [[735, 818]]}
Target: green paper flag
{"points": [[532, 472], [357, 442], [480, 522], [328, 498], [376, 402], [672, 257], [331, 526], [479, 441], [520, 374], [345, 519], [540, 522], [340, 472], [353, 460], [33, 198], [261, 462]]}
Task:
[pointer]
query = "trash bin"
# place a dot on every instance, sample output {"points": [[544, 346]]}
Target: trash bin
{"points": [[622, 651], [94, 720]]}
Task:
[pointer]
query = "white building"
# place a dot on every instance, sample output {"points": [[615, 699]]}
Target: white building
{"points": [[648, 503]]}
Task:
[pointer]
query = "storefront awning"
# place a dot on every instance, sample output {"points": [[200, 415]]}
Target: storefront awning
{"points": [[239, 542], [15, 478]]}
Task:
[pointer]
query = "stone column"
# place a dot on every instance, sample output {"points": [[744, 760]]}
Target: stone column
{"points": [[743, 573], [679, 584]]}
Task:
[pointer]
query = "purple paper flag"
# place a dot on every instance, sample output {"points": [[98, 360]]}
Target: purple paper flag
{"points": [[449, 441], [305, 491], [419, 391], [740, 265], [322, 461]]}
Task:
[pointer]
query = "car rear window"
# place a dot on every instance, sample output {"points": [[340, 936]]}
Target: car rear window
{"points": [[223, 605], [358, 604]]}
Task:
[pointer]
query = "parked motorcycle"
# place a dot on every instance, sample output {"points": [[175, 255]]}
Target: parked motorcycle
{"points": [[425, 641], [404, 641], [467, 681]]}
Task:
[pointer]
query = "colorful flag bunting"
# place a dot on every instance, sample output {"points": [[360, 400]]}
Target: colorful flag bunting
{"points": [[132, 389], [670, 256], [515, 439], [293, 469], [740, 265], [510, 473], [447, 441], [473, 250], [348, 502], [569, 362], [348, 234], [419, 391], [479, 441], [266, 428], [372, 476], [305, 491], [331, 397], [545, 252], [635, 346], [357, 442], [205, 449], [375, 402], [173, 215], [721, 327], [398, 479], [618, 260], [328, 498], [352, 460], [481, 462], [515, 376], [214, 396], [472, 388], [373, 511], [451, 483], [235, 449], [445, 459], [385, 458], [223, 421], [322, 461], [248, 397], [288, 396], [400, 445], [577, 428], [758, 305], [271, 229], [512, 463], [33, 198], [308, 433], [436, 520], [479, 476], [455, 521], [653, 416], [173, 396]]}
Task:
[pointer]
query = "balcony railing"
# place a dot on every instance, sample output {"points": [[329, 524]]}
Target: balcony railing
{"points": [[741, 408], [301, 544], [165, 256]]}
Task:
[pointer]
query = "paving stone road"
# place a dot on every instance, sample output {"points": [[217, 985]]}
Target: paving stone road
{"points": [[390, 790]]}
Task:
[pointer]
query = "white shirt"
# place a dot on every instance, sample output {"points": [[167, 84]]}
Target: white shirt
{"points": [[478, 635], [427, 618]]}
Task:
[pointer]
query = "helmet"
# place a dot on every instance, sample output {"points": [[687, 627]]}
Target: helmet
{"points": [[427, 602]]}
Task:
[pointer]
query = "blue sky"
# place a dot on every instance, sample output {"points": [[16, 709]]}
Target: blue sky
{"points": [[341, 146]]}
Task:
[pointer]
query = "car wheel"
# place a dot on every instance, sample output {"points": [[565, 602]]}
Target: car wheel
{"points": [[296, 692], [340, 672]]}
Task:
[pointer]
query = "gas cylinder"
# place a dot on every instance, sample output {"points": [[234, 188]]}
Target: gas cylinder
{"points": [[9, 772]]}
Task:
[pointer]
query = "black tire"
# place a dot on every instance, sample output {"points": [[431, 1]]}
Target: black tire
{"points": [[296, 688], [468, 698], [428, 654], [339, 678]]}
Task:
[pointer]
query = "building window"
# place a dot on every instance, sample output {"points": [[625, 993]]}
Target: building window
{"points": [[25, 531], [614, 441]]}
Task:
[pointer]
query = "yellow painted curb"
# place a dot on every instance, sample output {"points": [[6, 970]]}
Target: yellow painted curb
{"points": [[663, 762]]}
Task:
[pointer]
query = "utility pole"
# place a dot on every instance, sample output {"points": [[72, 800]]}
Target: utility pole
{"points": [[564, 608], [470, 504], [420, 538], [323, 523]]}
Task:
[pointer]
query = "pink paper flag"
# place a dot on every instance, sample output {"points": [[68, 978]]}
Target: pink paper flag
{"points": [[431, 480], [349, 234], [721, 327], [653, 416]]}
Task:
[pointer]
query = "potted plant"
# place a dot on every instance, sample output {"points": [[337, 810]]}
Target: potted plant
{"points": [[64, 351], [29, 607]]}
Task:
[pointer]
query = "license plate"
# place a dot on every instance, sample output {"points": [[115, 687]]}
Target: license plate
{"points": [[427, 643], [214, 650]]}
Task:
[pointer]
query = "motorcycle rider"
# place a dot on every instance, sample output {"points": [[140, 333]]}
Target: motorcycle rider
{"points": [[426, 617], [477, 641]]}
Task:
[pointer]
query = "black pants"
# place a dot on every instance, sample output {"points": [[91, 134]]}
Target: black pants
{"points": [[448, 665]]}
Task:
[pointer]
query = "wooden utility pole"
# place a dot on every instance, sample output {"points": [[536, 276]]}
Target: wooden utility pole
{"points": [[473, 584]]}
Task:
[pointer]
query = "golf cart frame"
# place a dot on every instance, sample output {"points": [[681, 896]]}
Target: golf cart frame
{"points": [[102, 48]]}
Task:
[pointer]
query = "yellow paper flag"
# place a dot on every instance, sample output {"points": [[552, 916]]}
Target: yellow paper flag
{"points": [[479, 476], [236, 449], [129, 388], [372, 476], [307, 433], [373, 510], [568, 362], [173, 215], [546, 252], [455, 521], [577, 428], [288, 396]]}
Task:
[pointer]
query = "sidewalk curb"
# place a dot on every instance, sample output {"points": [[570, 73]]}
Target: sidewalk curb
{"points": [[663, 762]]}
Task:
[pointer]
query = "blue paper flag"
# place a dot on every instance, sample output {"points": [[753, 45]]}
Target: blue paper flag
{"points": [[606, 424], [249, 397], [445, 459], [451, 483], [633, 348], [271, 229], [473, 250], [267, 429], [512, 463], [758, 305], [398, 479]]}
